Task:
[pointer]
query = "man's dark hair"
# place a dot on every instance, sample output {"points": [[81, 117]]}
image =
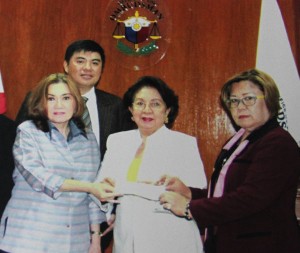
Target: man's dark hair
{"points": [[86, 46]]}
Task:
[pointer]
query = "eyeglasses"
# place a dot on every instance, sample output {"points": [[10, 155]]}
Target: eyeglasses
{"points": [[154, 105], [247, 101]]}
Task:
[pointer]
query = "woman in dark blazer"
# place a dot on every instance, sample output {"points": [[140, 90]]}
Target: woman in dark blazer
{"points": [[251, 198]]}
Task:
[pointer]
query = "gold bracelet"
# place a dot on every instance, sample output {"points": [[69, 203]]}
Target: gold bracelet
{"points": [[95, 233]]}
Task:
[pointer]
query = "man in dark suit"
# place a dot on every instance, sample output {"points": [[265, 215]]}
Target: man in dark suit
{"points": [[84, 63], [7, 137]]}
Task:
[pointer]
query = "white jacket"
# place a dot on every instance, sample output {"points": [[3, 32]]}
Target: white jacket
{"points": [[139, 227]]}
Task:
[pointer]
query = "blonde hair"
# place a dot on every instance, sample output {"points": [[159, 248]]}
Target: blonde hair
{"points": [[37, 103]]}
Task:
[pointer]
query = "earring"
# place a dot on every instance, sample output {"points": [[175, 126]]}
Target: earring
{"points": [[132, 119], [166, 120]]}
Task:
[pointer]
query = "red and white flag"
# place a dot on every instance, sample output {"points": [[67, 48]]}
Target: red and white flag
{"points": [[2, 97], [275, 57]]}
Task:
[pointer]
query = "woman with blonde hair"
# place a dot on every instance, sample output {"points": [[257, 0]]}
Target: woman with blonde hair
{"points": [[56, 161]]}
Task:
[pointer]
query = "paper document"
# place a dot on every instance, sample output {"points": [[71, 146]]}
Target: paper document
{"points": [[148, 191], [143, 190]]}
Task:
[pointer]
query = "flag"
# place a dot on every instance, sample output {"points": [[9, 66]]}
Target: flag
{"points": [[274, 56], [2, 97]]}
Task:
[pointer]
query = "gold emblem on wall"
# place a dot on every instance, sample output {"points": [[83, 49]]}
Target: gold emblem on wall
{"points": [[139, 31]]}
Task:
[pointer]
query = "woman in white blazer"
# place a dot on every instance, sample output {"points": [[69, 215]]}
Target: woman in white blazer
{"points": [[142, 225]]}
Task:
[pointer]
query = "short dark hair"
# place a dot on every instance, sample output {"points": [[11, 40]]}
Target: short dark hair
{"points": [[86, 46], [167, 94]]}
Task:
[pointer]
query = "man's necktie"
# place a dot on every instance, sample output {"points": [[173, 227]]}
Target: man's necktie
{"points": [[86, 115], [133, 170]]}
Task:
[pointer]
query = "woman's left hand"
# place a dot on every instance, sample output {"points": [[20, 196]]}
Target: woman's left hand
{"points": [[174, 202], [111, 224]]}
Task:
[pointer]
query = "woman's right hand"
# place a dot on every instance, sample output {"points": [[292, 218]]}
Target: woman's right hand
{"points": [[105, 190], [174, 184]]}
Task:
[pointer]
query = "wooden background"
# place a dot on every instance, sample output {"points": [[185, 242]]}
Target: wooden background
{"points": [[205, 42]]}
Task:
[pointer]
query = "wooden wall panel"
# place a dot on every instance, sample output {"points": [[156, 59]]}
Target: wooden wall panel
{"points": [[209, 42]]}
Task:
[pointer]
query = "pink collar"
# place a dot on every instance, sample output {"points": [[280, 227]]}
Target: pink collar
{"points": [[219, 188]]}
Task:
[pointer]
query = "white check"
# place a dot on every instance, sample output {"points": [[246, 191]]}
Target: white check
{"points": [[147, 191]]}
